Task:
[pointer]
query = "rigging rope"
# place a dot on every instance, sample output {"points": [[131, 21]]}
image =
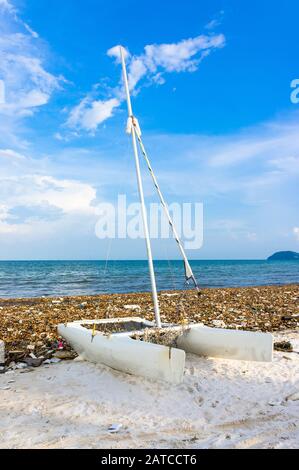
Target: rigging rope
{"points": [[133, 122]]}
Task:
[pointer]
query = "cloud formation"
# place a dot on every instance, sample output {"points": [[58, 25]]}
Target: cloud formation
{"points": [[89, 113], [31, 200], [27, 85], [151, 65]]}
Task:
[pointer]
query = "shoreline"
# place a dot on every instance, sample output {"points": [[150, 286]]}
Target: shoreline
{"points": [[33, 321], [161, 291]]}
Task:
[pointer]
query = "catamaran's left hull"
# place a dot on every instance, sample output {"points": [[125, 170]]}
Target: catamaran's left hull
{"points": [[125, 354]]}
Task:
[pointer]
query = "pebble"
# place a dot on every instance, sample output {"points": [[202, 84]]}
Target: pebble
{"points": [[64, 354]]}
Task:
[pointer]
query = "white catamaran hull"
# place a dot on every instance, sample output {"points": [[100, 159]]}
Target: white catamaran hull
{"points": [[122, 353], [227, 344], [119, 351]]}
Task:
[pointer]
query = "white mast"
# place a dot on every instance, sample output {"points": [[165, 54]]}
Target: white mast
{"points": [[141, 195]]}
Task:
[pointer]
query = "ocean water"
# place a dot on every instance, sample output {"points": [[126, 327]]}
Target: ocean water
{"points": [[60, 278]]}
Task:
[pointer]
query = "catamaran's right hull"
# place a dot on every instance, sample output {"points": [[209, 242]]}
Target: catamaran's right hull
{"points": [[227, 344]]}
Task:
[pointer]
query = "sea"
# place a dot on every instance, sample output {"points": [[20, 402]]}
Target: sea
{"points": [[21, 279]]}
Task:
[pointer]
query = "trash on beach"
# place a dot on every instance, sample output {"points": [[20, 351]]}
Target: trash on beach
{"points": [[53, 360], [284, 346], [83, 305], [21, 365], [165, 337], [251, 312], [114, 428]]}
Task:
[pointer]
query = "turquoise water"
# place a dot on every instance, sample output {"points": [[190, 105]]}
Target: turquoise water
{"points": [[59, 278]]}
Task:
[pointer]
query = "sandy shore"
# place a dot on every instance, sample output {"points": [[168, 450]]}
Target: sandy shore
{"points": [[220, 404], [34, 321]]}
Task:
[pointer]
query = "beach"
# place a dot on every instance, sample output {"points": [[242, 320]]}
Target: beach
{"points": [[33, 322], [219, 404]]}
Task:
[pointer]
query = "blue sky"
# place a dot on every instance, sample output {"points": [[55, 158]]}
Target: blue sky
{"points": [[211, 85]]}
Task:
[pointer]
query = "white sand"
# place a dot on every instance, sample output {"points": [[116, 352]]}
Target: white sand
{"points": [[220, 404]]}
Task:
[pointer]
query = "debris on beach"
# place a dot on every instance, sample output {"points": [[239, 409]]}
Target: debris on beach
{"points": [[165, 337], [114, 428], [30, 325], [284, 346]]}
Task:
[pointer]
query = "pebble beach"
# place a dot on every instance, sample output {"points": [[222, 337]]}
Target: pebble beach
{"points": [[31, 324]]}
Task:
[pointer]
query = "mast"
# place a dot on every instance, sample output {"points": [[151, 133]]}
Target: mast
{"points": [[132, 130]]}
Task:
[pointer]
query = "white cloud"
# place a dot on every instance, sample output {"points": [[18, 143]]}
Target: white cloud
{"points": [[6, 5], [153, 63], [182, 56], [69, 196], [90, 113], [41, 203], [115, 52], [28, 85], [296, 232], [215, 21], [11, 154], [137, 70]]}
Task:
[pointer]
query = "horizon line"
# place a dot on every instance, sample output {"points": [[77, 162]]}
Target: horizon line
{"points": [[136, 259]]}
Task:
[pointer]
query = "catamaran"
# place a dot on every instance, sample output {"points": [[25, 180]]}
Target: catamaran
{"points": [[122, 343]]}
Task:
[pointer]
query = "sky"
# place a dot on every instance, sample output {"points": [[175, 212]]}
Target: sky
{"points": [[211, 85]]}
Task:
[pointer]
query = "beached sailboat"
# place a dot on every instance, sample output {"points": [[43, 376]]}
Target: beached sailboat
{"points": [[126, 344]]}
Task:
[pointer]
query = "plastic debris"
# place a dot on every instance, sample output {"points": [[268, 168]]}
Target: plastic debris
{"points": [[114, 428], [53, 360], [21, 365]]}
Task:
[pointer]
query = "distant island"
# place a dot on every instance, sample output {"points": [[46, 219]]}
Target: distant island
{"points": [[284, 256]]}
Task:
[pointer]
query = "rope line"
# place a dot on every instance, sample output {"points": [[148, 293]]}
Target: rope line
{"points": [[188, 271]]}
